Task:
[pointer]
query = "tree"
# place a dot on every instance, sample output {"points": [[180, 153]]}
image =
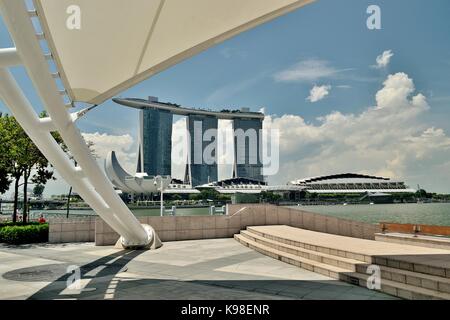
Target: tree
{"points": [[5, 182], [38, 190], [34, 161], [270, 197], [421, 193], [22, 159], [13, 146]]}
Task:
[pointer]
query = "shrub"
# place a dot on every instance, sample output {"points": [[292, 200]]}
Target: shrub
{"points": [[10, 223], [21, 234]]}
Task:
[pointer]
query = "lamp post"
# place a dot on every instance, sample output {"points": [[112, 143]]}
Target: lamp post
{"points": [[161, 193]]}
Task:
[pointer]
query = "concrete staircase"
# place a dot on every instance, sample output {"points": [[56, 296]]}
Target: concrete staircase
{"points": [[403, 279]]}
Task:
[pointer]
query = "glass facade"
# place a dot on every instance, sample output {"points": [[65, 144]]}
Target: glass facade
{"points": [[203, 154], [247, 144], [156, 142]]}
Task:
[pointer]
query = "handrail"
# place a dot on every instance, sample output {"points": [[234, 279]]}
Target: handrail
{"points": [[415, 228]]}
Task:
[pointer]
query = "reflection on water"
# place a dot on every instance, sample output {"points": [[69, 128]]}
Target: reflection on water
{"points": [[423, 213]]}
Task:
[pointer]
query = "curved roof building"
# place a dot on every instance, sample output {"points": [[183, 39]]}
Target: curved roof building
{"points": [[351, 183], [141, 183], [132, 184], [185, 111], [236, 185]]}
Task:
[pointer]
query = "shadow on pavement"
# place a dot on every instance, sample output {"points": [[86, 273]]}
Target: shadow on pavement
{"points": [[100, 272]]}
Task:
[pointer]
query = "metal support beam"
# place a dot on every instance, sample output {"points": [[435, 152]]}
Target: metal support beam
{"points": [[9, 58], [96, 190], [79, 172], [46, 124]]}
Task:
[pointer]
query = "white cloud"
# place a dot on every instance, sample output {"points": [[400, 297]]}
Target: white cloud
{"points": [[317, 93], [384, 59], [123, 145], [308, 70], [388, 139]]}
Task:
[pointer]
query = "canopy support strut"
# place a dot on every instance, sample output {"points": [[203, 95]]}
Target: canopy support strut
{"points": [[88, 179]]}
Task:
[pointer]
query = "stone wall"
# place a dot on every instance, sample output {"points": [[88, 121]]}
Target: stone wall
{"points": [[72, 230], [276, 215], [178, 228], [238, 217]]}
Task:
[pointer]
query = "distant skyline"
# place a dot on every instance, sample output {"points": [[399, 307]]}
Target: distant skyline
{"points": [[345, 98]]}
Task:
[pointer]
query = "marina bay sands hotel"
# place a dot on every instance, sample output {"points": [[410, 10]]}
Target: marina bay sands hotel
{"points": [[155, 140]]}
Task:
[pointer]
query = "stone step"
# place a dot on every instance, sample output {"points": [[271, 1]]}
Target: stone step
{"points": [[310, 246], [311, 265], [438, 242], [394, 288], [337, 261], [417, 279], [435, 262], [402, 290]]}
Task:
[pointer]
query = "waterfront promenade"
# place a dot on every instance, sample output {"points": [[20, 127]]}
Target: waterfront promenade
{"points": [[280, 253], [196, 269]]}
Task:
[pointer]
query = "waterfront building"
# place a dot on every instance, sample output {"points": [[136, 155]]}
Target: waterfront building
{"points": [[202, 170], [247, 159], [236, 185], [347, 183], [155, 138]]}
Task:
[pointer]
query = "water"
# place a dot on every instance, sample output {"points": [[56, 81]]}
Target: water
{"points": [[136, 212], [424, 213]]}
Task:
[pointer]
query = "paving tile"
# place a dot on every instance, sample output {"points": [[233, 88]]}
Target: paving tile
{"points": [[203, 269]]}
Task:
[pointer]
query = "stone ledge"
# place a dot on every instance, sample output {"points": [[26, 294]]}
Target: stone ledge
{"points": [[171, 228]]}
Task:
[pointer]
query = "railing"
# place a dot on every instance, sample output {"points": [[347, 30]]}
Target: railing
{"points": [[415, 229], [213, 210], [170, 212]]}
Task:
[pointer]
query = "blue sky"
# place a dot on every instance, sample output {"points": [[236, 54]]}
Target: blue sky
{"points": [[327, 45]]}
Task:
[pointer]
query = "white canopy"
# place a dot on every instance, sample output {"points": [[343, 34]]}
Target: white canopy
{"points": [[122, 42]]}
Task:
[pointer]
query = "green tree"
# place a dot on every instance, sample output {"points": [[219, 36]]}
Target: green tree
{"points": [[36, 166], [22, 160], [38, 190], [13, 146], [5, 181], [269, 196], [421, 193]]}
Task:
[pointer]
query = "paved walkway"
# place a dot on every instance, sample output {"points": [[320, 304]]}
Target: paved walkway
{"points": [[198, 269]]}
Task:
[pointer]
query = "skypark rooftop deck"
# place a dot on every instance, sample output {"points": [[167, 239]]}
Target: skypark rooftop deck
{"points": [[184, 111]]}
